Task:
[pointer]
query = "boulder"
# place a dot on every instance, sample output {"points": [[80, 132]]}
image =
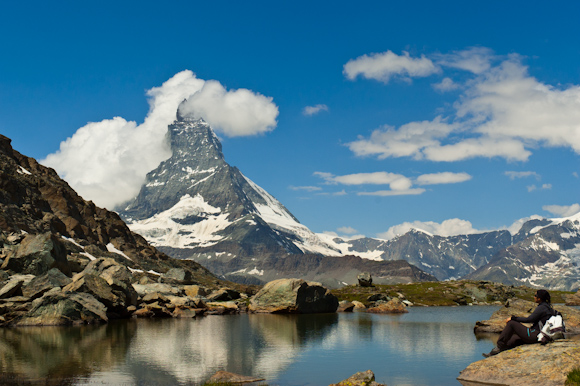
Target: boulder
{"points": [[365, 279], [223, 295], [195, 291], [37, 254], [166, 289], [117, 276], [573, 299], [358, 306], [176, 276], [227, 377], [293, 296], [519, 307], [362, 378], [525, 365], [44, 283], [393, 306], [345, 306], [98, 287], [13, 286], [58, 308], [378, 297]]}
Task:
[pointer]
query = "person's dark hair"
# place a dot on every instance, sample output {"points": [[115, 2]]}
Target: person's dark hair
{"points": [[543, 295]]}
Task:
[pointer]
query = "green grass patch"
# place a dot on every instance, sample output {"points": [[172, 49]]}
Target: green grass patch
{"points": [[445, 293], [573, 378]]}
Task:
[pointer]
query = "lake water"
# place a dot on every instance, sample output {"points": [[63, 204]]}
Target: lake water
{"points": [[427, 346]]}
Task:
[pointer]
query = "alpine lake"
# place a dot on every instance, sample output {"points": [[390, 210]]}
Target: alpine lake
{"points": [[428, 346]]}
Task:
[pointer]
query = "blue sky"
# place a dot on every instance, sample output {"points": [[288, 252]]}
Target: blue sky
{"points": [[359, 117]]}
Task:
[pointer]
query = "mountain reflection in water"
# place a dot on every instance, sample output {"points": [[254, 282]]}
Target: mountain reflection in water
{"points": [[283, 349]]}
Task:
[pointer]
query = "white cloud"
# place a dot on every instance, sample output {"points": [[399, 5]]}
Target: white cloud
{"points": [[575, 174], [311, 110], [410, 140], [447, 84], [504, 112], [513, 175], [476, 59], [347, 230], [442, 178], [395, 181], [234, 113], [451, 227], [383, 66], [531, 188], [562, 210], [306, 188], [107, 161], [399, 192]]}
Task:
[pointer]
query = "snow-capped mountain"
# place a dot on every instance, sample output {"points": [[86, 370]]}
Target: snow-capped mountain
{"points": [[195, 205], [546, 253]]}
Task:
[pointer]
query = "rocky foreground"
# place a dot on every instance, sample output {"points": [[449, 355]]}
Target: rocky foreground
{"points": [[525, 365]]}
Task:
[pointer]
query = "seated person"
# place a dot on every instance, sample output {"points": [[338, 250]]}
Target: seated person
{"points": [[515, 333]]}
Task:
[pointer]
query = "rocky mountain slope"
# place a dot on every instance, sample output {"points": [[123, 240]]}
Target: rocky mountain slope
{"points": [[196, 206], [546, 254]]}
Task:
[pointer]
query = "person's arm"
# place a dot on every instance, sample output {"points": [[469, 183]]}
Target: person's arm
{"points": [[534, 317]]}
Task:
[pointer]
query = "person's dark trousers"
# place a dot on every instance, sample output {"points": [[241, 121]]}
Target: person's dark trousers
{"points": [[515, 334]]}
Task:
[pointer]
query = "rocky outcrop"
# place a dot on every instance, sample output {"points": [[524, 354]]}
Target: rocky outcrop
{"points": [[227, 377], [519, 307], [64, 260], [526, 365], [293, 296], [58, 308], [363, 378], [393, 306]]}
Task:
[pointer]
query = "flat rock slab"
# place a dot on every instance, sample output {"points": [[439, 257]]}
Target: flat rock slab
{"points": [[224, 376], [526, 365]]}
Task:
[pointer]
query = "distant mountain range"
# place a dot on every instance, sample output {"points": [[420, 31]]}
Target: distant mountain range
{"points": [[196, 206]]}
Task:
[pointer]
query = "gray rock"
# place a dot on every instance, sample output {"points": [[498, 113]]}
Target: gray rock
{"points": [[345, 306], [37, 254], [176, 276], [13, 286], [117, 276], [378, 297], [57, 308], [363, 378], [531, 364], [365, 279], [166, 289], [42, 284], [223, 295], [293, 296]]}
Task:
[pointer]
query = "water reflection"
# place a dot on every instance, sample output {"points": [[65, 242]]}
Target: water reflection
{"points": [[284, 349]]}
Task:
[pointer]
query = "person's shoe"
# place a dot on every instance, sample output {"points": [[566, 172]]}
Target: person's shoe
{"points": [[493, 352]]}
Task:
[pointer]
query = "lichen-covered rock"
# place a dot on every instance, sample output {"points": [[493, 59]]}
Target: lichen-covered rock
{"points": [[13, 286], [117, 276], [526, 365], [176, 276], [519, 307], [227, 377], [393, 306], [358, 306], [57, 308], [293, 296], [44, 283], [362, 378], [37, 254]]}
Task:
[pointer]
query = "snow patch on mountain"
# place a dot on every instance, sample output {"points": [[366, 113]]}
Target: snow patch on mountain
{"points": [[167, 227], [278, 217]]}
